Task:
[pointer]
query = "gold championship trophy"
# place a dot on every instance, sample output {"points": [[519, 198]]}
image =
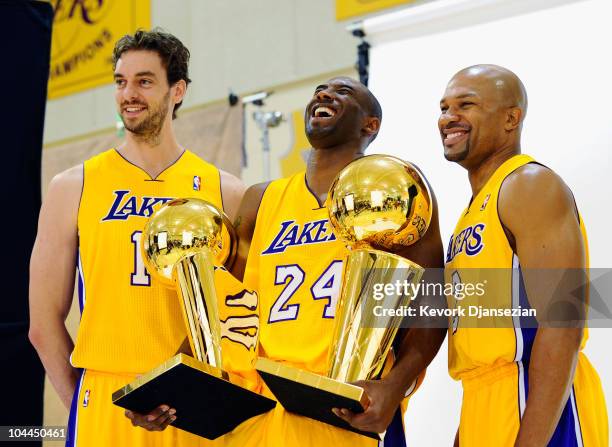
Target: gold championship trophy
{"points": [[181, 242], [378, 201]]}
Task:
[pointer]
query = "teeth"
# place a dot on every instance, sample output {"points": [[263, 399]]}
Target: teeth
{"points": [[133, 109], [322, 109], [454, 134]]}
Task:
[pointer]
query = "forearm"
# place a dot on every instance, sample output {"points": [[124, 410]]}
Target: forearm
{"points": [[551, 372], [54, 346], [418, 348]]}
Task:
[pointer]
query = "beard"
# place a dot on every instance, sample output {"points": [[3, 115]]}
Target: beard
{"points": [[342, 130], [150, 127], [458, 156]]}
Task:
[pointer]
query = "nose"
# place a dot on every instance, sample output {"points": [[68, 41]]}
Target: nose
{"points": [[447, 117], [323, 95], [129, 92]]}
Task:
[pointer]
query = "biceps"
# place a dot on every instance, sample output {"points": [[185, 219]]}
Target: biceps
{"points": [[52, 274], [53, 266], [556, 244], [232, 197], [553, 265]]}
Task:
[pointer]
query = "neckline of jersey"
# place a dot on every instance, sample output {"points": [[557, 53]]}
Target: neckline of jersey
{"points": [[312, 193], [149, 178], [490, 179]]}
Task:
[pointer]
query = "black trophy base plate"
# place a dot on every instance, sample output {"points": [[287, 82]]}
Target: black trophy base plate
{"points": [[313, 396], [206, 403]]}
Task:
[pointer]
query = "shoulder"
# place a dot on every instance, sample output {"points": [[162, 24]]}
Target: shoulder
{"points": [[68, 181], [534, 184], [252, 198], [230, 180], [249, 207], [61, 202], [102, 160], [533, 192]]}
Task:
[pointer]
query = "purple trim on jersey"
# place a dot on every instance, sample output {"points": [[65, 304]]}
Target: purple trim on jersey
{"points": [[395, 435], [567, 433], [80, 282], [71, 438], [220, 190], [145, 172], [321, 205], [574, 404]]}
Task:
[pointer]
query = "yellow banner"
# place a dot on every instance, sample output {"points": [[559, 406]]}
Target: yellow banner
{"points": [[84, 35], [345, 9]]}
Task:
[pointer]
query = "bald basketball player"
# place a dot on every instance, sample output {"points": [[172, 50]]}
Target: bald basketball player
{"points": [[523, 384]]}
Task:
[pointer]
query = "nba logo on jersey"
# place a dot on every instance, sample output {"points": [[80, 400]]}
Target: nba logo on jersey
{"points": [[484, 204], [86, 398], [196, 182]]}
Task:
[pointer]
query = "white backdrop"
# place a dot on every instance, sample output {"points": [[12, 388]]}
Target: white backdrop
{"points": [[561, 51]]}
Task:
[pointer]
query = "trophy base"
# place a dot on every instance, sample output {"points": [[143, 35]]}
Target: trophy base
{"points": [[208, 402], [311, 395]]}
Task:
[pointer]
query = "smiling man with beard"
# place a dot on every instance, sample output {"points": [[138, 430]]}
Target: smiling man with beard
{"points": [[299, 280], [92, 218]]}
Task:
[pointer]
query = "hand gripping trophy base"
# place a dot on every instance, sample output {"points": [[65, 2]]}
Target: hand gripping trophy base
{"points": [[210, 401], [378, 201], [361, 343], [311, 395]]}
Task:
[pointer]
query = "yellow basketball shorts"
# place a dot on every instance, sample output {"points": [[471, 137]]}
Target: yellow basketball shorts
{"points": [[94, 420], [494, 402], [280, 428]]}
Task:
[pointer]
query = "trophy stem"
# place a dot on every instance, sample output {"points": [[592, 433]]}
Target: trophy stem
{"points": [[361, 341], [194, 279]]}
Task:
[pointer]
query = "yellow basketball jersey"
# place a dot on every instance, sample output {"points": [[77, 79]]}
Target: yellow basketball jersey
{"points": [[295, 264], [479, 254], [129, 323]]}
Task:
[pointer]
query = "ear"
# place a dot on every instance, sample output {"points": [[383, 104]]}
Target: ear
{"points": [[178, 91], [513, 118], [371, 126]]}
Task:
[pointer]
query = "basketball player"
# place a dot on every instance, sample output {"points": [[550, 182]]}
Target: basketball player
{"points": [[92, 218], [296, 266], [521, 386]]}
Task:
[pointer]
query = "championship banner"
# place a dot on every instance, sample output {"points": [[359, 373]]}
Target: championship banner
{"points": [[345, 9], [84, 33]]}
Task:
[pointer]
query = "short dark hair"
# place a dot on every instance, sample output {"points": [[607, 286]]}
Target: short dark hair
{"points": [[374, 110], [174, 55]]}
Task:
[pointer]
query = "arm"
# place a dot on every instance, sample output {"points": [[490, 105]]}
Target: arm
{"points": [[245, 225], [418, 347], [52, 272], [538, 211], [232, 190]]}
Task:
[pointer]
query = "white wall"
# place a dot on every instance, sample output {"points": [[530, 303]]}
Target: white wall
{"points": [[561, 52], [240, 44]]}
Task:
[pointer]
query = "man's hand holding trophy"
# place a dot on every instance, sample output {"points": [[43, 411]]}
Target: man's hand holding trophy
{"points": [[376, 204], [182, 243]]}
